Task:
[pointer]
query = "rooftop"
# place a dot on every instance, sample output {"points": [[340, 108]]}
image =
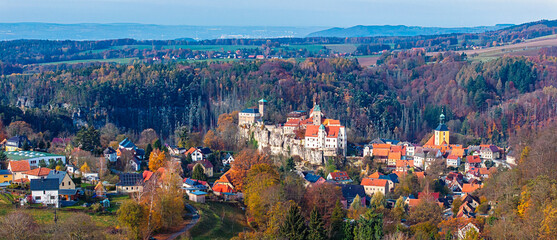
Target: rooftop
{"points": [[44, 184], [25, 155]]}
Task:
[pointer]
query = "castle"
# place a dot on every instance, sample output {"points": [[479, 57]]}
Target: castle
{"points": [[311, 137]]}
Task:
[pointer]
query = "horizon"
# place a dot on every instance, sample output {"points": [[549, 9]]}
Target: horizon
{"points": [[329, 13]]}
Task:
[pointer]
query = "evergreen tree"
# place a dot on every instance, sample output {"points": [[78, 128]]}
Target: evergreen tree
{"points": [[290, 165], [293, 227], [157, 144], [337, 222], [3, 160], [316, 228], [198, 173], [370, 226], [148, 151], [42, 163], [88, 139]]}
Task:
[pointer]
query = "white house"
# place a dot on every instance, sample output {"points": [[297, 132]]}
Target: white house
{"points": [[453, 161], [199, 153], [45, 191], [491, 152], [227, 159], [468, 228], [110, 154]]}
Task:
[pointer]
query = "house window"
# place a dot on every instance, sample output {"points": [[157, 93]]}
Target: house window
{"points": [[38, 198], [52, 197], [62, 184]]}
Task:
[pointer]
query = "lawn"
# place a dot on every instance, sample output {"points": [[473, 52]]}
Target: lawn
{"points": [[218, 221]]}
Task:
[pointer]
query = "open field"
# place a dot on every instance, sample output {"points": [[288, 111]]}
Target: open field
{"points": [[527, 48], [218, 221], [369, 60], [114, 60], [342, 48]]}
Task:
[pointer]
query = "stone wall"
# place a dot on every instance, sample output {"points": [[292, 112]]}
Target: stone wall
{"points": [[280, 143]]}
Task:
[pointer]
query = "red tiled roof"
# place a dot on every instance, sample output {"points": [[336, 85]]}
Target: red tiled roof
{"points": [[38, 172], [434, 195], [459, 152], [147, 175], [292, 122], [413, 202], [420, 175], [190, 151], [374, 182], [381, 152], [470, 187], [452, 157], [223, 188], [430, 142], [312, 131], [339, 175], [381, 145], [395, 155], [19, 166], [331, 122], [473, 159], [22, 180], [375, 175], [307, 121], [405, 163]]}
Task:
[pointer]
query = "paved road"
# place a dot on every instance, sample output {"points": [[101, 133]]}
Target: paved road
{"points": [[195, 218]]}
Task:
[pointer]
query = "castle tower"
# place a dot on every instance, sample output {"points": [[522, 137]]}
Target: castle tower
{"points": [[262, 104], [441, 133], [317, 115], [321, 135]]}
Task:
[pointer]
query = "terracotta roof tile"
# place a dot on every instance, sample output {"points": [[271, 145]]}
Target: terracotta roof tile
{"points": [[38, 172], [374, 182], [19, 166]]}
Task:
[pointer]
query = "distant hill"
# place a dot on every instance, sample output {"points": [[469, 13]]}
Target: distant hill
{"points": [[93, 31], [400, 30]]}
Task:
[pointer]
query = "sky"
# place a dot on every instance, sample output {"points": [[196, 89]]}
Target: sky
{"points": [[331, 13]]}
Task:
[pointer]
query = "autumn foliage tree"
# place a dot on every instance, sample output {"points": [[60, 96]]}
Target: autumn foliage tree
{"points": [[260, 187], [157, 159], [323, 197], [243, 162]]}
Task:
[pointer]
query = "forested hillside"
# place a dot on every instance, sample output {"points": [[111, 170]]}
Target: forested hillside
{"points": [[401, 97]]}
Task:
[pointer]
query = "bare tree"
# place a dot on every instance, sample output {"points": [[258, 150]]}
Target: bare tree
{"points": [[18, 225]]}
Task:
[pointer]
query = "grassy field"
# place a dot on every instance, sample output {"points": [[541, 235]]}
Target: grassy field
{"points": [[115, 60], [342, 48], [218, 221]]}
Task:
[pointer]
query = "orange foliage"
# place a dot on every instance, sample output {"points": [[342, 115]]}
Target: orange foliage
{"points": [[243, 162]]}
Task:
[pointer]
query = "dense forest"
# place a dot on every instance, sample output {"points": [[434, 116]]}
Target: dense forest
{"points": [[401, 97]]}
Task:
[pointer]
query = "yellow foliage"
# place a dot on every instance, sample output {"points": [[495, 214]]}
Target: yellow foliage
{"points": [[85, 168], [548, 229], [524, 203], [157, 159]]}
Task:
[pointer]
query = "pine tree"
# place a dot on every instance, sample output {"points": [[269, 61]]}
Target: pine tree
{"points": [[293, 227], [337, 222], [316, 226], [198, 173]]}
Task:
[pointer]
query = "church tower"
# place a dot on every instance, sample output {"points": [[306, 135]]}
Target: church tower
{"points": [[322, 134], [317, 115], [441, 133]]}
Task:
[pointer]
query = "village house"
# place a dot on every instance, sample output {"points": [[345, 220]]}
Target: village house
{"points": [[349, 193], [464, 230], [197, 196], [18, 168], [198, 153], [453, 161], [223, 186], [472, 161], [392, 158], [130, 183], [110, 154], [313, 179], [64, 179], [227, 159], [339, 177], [6, 177], [490, 152], [100, 190], [193, 185], [34, 158], [45, 191], [37, 173], [372, 186], [16, 143], [205, 164]]}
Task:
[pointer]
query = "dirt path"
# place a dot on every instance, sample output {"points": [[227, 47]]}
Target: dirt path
{"points": [[184, 229]]}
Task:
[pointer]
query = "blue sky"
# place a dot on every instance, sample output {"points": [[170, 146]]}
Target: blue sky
{"points": [[342, 13]]}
